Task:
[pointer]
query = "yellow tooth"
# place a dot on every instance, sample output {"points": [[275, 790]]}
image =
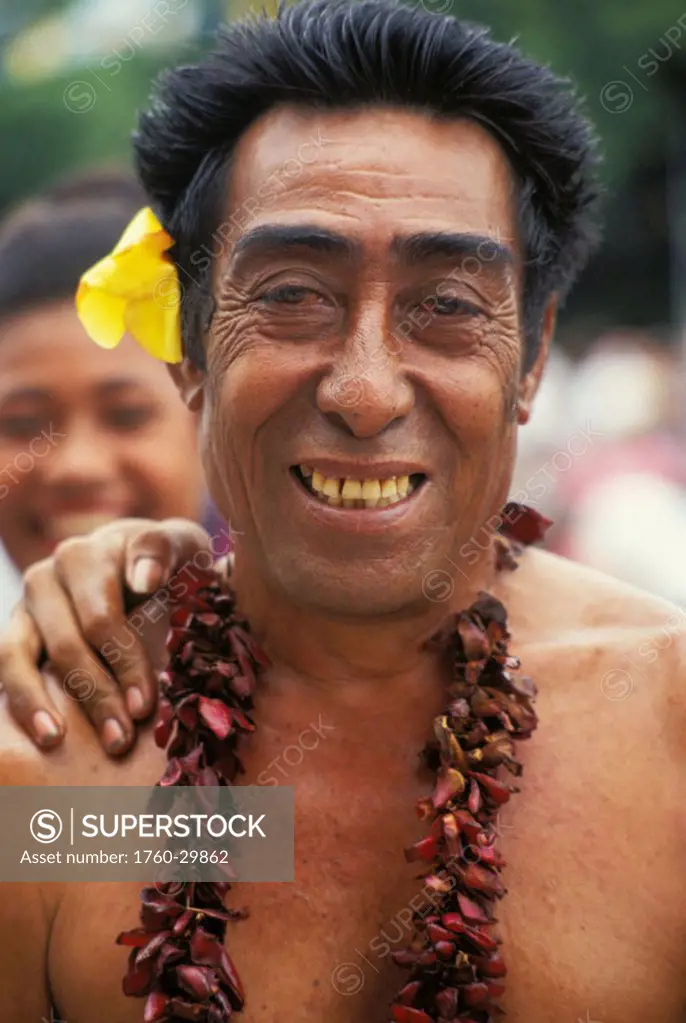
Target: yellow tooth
{"points": [[394, 498], [371, 490], [382, 502], [389, 488], [318, 480], [334, 500], [352, 490], [330, 488], [348, 503], [306, 470], [370, 502], [403, 485]]}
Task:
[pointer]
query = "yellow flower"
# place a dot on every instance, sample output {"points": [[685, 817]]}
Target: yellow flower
{"points": [[136, 289]]}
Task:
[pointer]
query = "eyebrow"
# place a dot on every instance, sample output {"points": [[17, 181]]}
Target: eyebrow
{"points": [[23, 393], [426, 245], [119, 384], [410, 250], [271, 239], [104, 387]]}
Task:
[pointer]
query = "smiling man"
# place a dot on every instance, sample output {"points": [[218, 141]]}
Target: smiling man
{"points": [[362, 347]]}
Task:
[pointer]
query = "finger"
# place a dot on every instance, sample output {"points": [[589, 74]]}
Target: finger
{"points": [[154, 555], [97, 600], [85, 679], [28, 700]]}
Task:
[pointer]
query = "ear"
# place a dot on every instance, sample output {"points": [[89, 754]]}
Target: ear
{"points": [[528, 385], [189, 380]]}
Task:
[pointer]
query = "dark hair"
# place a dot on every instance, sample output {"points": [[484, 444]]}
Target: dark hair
{"points": [[47, 242], [349, 53]]}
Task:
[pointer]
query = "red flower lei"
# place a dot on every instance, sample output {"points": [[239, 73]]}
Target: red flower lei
{"points": [[177, 957]]}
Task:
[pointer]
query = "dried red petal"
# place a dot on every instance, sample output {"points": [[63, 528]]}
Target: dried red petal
{"points": [[426, 849], [409, 992], [446, 1002], [523, 524], [155, 1007], [467, 824], [437, 933], [197, 980], [404, 1014], [495, 789], [482, 880], [449, 783], [137, 938], [173, 773], [474, 800], [471, 910], [163, 724], [490, 966], [216, 716], [476, 995], [138, 978]]}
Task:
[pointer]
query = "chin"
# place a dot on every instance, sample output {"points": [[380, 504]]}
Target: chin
{"points": [[348, 591]]}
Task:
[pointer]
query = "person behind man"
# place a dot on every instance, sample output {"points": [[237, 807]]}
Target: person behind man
{"points": [[390, 207], [86, 436]]}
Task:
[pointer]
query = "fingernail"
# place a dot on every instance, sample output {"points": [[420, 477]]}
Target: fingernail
{"points": [[45, 727], [146, 575], [113, 735], [135, 702]]}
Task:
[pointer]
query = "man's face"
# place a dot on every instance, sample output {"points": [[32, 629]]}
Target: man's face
{"points": [[367, 328]]}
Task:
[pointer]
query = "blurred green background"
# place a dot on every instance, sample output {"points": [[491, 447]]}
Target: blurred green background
{"points": [[73, 73]]}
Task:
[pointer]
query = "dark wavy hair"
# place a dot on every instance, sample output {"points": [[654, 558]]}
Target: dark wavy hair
{"points": [[48, 241], [336, 54]]}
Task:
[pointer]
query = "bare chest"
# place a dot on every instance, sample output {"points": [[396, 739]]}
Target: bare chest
{"points": [[593, 924]]}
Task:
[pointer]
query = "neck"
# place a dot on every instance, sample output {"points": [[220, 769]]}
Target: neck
{"points": [[324, 651]]}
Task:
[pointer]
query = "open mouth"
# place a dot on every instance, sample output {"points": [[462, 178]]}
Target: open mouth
{"points": [[349, 492]]}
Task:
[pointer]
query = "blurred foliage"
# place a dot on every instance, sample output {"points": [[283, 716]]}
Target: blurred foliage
{"points": [[598, 42]]}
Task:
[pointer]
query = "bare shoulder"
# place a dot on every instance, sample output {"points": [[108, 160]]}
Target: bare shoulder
{"points": [[79, 759], [631, 637], [567, 593]]}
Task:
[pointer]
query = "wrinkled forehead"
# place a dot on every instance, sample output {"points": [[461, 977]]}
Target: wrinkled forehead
{"points": [[372, 175]]}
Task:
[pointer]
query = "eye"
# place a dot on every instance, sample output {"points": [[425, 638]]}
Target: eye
{"points": [[291, 294], [21, 427], [129, 417], [447, 305]]}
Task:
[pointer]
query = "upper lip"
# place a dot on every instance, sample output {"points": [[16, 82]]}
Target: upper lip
{"points": [[333, 468]]}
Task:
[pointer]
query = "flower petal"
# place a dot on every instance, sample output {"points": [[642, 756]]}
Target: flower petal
{"points": [[101, 315]]}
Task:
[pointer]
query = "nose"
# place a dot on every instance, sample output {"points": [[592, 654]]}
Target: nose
{"points": [[80, 459], [366, 390]]}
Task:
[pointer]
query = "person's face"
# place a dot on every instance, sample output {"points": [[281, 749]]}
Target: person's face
{"points": [[367, 327], [86, 436]]}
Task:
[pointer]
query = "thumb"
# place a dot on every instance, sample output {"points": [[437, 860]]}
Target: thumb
{"points": [[155, 553]]}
